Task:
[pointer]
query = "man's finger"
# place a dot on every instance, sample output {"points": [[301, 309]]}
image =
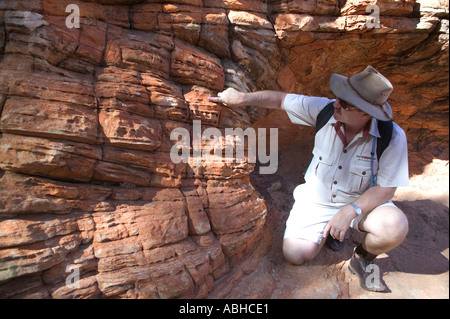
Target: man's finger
{"points": [[326, 230], [215, 99], [342, 236]]}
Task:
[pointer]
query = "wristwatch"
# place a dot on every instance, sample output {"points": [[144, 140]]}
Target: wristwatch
{"points": [[358, 210]]}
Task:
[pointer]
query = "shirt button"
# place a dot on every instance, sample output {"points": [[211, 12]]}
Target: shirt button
{"points": [[364, 173], [335, 182], [340, 167], [320, 158], [334, 196], [345, 151]]}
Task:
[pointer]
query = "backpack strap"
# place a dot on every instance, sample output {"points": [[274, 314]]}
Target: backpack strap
{"points": [[322, 118], [385, 129], [324, 115]]}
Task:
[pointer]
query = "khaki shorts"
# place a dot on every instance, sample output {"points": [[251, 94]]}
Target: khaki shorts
{"points": [[307, 220]]}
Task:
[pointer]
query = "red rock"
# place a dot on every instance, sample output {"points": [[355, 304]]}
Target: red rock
{"points": [[437, 8], [166, 98], [214, 32], [200, 107], [21, 5], [121, 174], [129, 130], [52, 87], [28, 287], [140, 51], [41, 41], [36, 257], [241, 216], [114, 14], [145, 16], [156, 162], [321, 7], [385, 7], [92, 40], [119, 247], [190, 65], [47, 196], [184, 21], [28, 230], [82, 259], [39, 156], [54, 119], [236, 246], [86, 288], [245, 5], [197, 218]]}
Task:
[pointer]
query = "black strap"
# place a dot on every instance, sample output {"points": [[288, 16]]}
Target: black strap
{"points": [[322, 118], [324, 115], [385, 129]]}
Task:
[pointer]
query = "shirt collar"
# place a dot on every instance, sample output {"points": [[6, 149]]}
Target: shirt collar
{"points": [[372, 129]]}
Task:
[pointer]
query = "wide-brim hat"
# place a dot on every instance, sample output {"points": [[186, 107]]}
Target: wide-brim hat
{"points": [[368, 91]]}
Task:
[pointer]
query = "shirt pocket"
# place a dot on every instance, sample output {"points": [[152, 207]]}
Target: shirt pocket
{"points": [[324, 164], [360, 175]]}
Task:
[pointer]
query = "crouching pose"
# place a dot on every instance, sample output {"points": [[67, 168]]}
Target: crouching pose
{"points": [[359, 160]]}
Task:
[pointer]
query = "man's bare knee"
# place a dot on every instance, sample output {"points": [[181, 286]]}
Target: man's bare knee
{"points": [[386, 228], [298, 251], [388, 223]]}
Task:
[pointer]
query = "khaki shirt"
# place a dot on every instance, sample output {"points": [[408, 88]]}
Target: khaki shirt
{"points": [[340, 175]]}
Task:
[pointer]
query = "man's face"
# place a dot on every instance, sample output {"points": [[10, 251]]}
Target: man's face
{"points": [[348, 113]]}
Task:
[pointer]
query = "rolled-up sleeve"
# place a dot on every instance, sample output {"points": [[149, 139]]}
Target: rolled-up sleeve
{"points": [[302, 109]]}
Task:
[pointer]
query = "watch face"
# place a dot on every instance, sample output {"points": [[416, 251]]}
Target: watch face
{"points": [[357, 209]]}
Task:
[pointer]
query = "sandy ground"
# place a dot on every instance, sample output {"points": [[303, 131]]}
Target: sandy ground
{"points": [[418, 268]]}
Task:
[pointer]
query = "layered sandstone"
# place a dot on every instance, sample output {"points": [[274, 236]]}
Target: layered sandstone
{"points": [[87, 183]]}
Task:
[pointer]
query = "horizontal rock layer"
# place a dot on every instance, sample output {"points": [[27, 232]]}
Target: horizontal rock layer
{"points": [[92, 203]]}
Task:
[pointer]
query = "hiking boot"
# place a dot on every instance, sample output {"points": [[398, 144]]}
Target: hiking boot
{"points": [[369, 274], [335, 244]]}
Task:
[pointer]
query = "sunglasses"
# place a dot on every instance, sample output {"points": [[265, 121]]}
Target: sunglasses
{"points": [[346, 106]]}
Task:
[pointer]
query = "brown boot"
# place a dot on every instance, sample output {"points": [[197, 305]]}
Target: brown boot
{"points": [[369, 274]]}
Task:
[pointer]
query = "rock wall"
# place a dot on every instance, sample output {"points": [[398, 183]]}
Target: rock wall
{"points": [[91, 204]]}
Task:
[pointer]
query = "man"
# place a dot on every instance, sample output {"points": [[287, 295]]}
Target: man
{"points": [[346, 185]]}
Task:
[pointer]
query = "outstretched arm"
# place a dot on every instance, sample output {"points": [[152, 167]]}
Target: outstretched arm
{"points": [[266, 99]]}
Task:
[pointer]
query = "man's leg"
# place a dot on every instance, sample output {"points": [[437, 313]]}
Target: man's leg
{"points": [[298, 251], [385, 227]]}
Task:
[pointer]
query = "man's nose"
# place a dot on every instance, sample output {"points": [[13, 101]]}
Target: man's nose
{"points": [[337, 105]]}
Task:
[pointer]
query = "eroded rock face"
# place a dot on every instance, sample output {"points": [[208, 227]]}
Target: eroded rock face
{"points": [[93, 206]]}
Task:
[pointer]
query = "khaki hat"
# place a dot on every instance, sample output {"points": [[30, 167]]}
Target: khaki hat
{"points": [[368, 91]]}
